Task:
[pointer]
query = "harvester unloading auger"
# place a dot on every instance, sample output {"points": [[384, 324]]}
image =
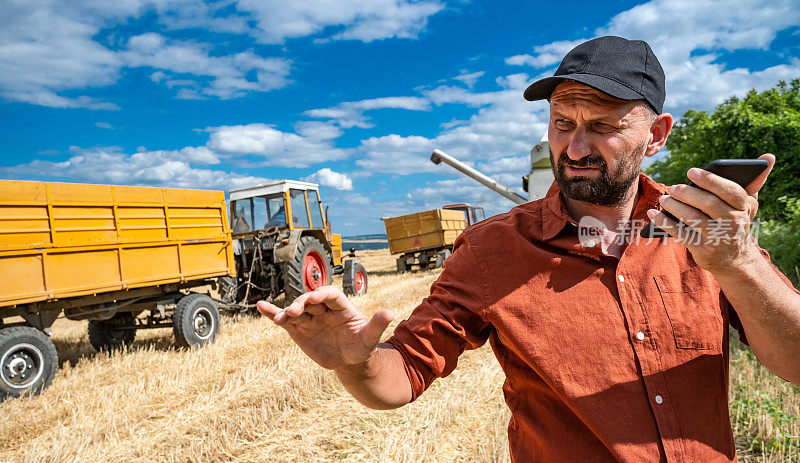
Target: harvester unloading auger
{"points": [[536, 183]]}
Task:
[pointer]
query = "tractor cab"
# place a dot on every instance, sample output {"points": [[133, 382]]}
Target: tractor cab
{"points": [[473, 214], [285, 204]]}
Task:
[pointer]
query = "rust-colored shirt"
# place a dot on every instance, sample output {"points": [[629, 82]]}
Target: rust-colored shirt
{"points": [[604, 358]]}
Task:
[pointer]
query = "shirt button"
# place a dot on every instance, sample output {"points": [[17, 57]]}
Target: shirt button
{"points": [[659, 399], [640, 336], [590, 243], [621, 279]]}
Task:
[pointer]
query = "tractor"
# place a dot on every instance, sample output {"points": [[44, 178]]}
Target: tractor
{"points": [[282, 242]]}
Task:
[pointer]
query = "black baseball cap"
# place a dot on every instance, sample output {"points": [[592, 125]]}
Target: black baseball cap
{"points": [[625, 69]]}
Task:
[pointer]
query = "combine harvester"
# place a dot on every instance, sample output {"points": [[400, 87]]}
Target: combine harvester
{"points": [[130, 258]]}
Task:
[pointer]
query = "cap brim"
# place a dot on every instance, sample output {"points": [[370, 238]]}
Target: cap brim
{"points": [[542, 89]]}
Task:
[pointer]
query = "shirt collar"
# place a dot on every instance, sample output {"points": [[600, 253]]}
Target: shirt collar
{"points": [[555, 215]]}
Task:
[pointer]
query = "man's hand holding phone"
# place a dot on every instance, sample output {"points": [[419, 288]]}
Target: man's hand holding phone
{"points": [[715, 215]]}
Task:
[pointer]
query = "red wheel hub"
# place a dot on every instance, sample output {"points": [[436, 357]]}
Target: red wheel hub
{"points": [[360, 282], [315, 273]]}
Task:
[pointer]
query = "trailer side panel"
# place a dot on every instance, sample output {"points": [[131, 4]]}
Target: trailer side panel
{"points": [[62, 240]]}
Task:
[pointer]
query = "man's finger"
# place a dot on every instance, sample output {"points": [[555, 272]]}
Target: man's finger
{"points": [[331, 296], [297, 306], [374, 329], [727, 190], [671, 227], [266, 309], [701, 202], [754, 186]]}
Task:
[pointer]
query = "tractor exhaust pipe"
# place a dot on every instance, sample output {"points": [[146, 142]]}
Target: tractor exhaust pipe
{"points": [[438, 156]]}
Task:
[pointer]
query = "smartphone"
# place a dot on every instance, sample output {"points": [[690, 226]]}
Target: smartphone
{"points": [[741, 171]]}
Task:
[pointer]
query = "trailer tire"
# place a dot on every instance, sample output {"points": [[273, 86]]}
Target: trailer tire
{"points": [[24, 350], [307, 270], [441, 256], [358, 285], [195, 320], [104, 335]]}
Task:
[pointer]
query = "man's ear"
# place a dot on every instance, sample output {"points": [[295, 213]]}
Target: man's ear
{"points": [[659, 131]]}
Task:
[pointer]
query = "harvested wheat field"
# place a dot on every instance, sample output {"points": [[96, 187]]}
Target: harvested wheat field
{"points": [[253, 396]]}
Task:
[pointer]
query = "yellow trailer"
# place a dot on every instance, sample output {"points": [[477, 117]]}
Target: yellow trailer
{"points": [[423, 230], [107, 254], [426, 238]]}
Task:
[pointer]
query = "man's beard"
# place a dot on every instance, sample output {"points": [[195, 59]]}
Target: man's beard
{"points": [[609, 188]]}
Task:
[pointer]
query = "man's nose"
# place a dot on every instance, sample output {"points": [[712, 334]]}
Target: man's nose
{"points": [[578, 145]]}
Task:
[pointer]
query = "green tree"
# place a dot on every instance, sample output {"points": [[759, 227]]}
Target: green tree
{"points": [[782, 239], [766, 122]]}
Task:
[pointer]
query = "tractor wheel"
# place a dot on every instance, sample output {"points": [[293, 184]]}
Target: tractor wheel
{"points": [[359, 284], [307, 270], [195, 320], [106, 335], [28, 361]]}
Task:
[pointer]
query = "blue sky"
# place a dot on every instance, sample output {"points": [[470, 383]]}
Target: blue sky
{"points": [[351, 94]]}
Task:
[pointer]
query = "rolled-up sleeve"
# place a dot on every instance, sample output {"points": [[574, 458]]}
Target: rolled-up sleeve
{"points": [[447, 322]]}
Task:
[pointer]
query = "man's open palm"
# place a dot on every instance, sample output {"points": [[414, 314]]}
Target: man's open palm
{"points": [[329, 328]]}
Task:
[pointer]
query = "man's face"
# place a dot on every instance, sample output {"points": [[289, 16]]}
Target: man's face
{"points": [[597, 143]]}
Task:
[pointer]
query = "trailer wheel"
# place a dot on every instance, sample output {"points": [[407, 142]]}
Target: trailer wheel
{"points": [[358, 285], [196, 320], [106, 335], [28, 361], [441, 256], [307, 270]]}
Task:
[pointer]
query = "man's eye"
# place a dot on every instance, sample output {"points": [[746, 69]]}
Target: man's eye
{"points": [[603, 128], [562, 124]]}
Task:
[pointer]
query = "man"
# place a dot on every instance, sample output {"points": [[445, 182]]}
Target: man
{"points": [[613, 349]]}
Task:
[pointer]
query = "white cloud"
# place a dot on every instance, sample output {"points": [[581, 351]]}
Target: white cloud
{"points": [[331, 179], [365, 20], [696, 76], [505, 125], [545, 55], [396, 154], [193, 60], [690, 38], [469, 79], [351, 113], [274, 147], [447, 94], [318, 130], [199, 155], [506, 164], [156, 168], [44, 51], [358, 199], [192, 14], [104, 125], [460, 190], [48, 46]]}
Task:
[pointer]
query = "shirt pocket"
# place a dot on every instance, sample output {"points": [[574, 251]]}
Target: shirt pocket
{"points": [[693, 311]]}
